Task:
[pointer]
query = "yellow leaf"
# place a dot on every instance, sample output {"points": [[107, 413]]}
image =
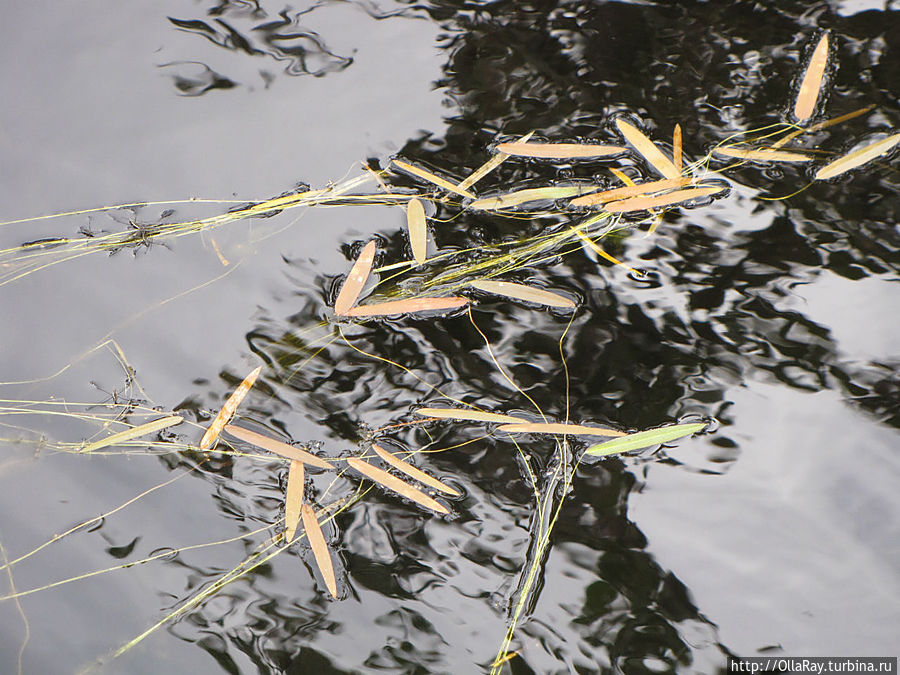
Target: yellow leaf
{"points": [[523, 292], [412, 471], [227, 411], [319, 548], [276, 446], [415, 222], [631, 191], [857, 157], [396, 485], [646, 148], [559, 150], [810, 87], [557, 428], [134, 432], [408, 306], [644, 203], [293, 499], [355, 281], [432, 178], [763, 155], [467, 415]]}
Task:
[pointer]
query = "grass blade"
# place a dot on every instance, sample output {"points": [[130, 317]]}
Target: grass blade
{"points": [[319, 548], [355, 281], [559, 150], [408, 306], [394, 484], [432, 178], [669, 199], [134, 432], [643, 439], [647, 149], [858, 157], [227, 411], [415, 223], [413, 472], [558, 428], [293, 499], [811, 86], [276, 446], [468, 415], [489, 166], [762, 155], [522, 292], [530, 195], [630, 191]]}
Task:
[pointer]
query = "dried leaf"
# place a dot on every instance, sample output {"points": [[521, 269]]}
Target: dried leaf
{"points": [[408, 306], [857, 157], [134, 432], [396, 485], [631, 191], [412, 471], [468, 415], [319, 548], [677, 149], [530, 195], [355, 281], [488, 166], [811, 86], [559, 150], [557, 428], [276, 446], [432, 178], [293, 499], [645, 203], [763, 155], [227, 411], [644, 439], [415, 222], [523, 292], [646, 148]]}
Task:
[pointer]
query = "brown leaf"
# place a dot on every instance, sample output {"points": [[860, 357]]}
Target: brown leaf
{"points": [[319, 548], [858, 157], [276, 446], [355, 281], [677, 150], [811, 86], [644, 203], [557, 428], [647, 149], [468, 415], [559, 150], [396, 485], [523, 292], [293, 499], [227, 411], [630, 191], [408, 306], [412, 471]]}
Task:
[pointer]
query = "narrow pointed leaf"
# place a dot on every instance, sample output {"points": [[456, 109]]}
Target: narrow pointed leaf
{"points": [[647, 149], [293, 499], [811, 86], [558, 428], [524, 196], [319, 548], [857, 157], [134, 432], [432, 178], [489, 166], [408, 306], [468, 415], [762, 155], [415, 222], [593, 246], [677, 149], [227, 411], [276, 446], [669, 199], [355, 281], [412, 471], [522, 292], [630, 191], [644, 439], [394, 484], [559, 150]]}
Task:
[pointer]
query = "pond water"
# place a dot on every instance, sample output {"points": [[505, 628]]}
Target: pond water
{"points": [[776, 532]]}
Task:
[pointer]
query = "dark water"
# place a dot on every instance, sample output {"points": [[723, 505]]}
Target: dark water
{"points": [[776, 533]]}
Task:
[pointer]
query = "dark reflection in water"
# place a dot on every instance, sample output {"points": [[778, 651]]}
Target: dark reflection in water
{"points": [[716, 312]]}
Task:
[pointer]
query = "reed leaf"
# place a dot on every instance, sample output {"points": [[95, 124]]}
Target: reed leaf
{"points": [[669, 199], [276, 446], [432, 178], [355, 281], [489, 166], [293, 499], [811, 85], [559, 150], [415, 223], [857, 157], [134, 432], [630, 191], [644, 439], [319, 548], [529, 195], [407, 306], [468, 415], [413, 472], [558, 428], [677, 157], [522, 292], [227, 411], [394, 484], [762, 155], [647, 149]]}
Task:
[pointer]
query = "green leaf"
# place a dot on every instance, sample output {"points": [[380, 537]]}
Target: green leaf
{"points": [[643, 439]]}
